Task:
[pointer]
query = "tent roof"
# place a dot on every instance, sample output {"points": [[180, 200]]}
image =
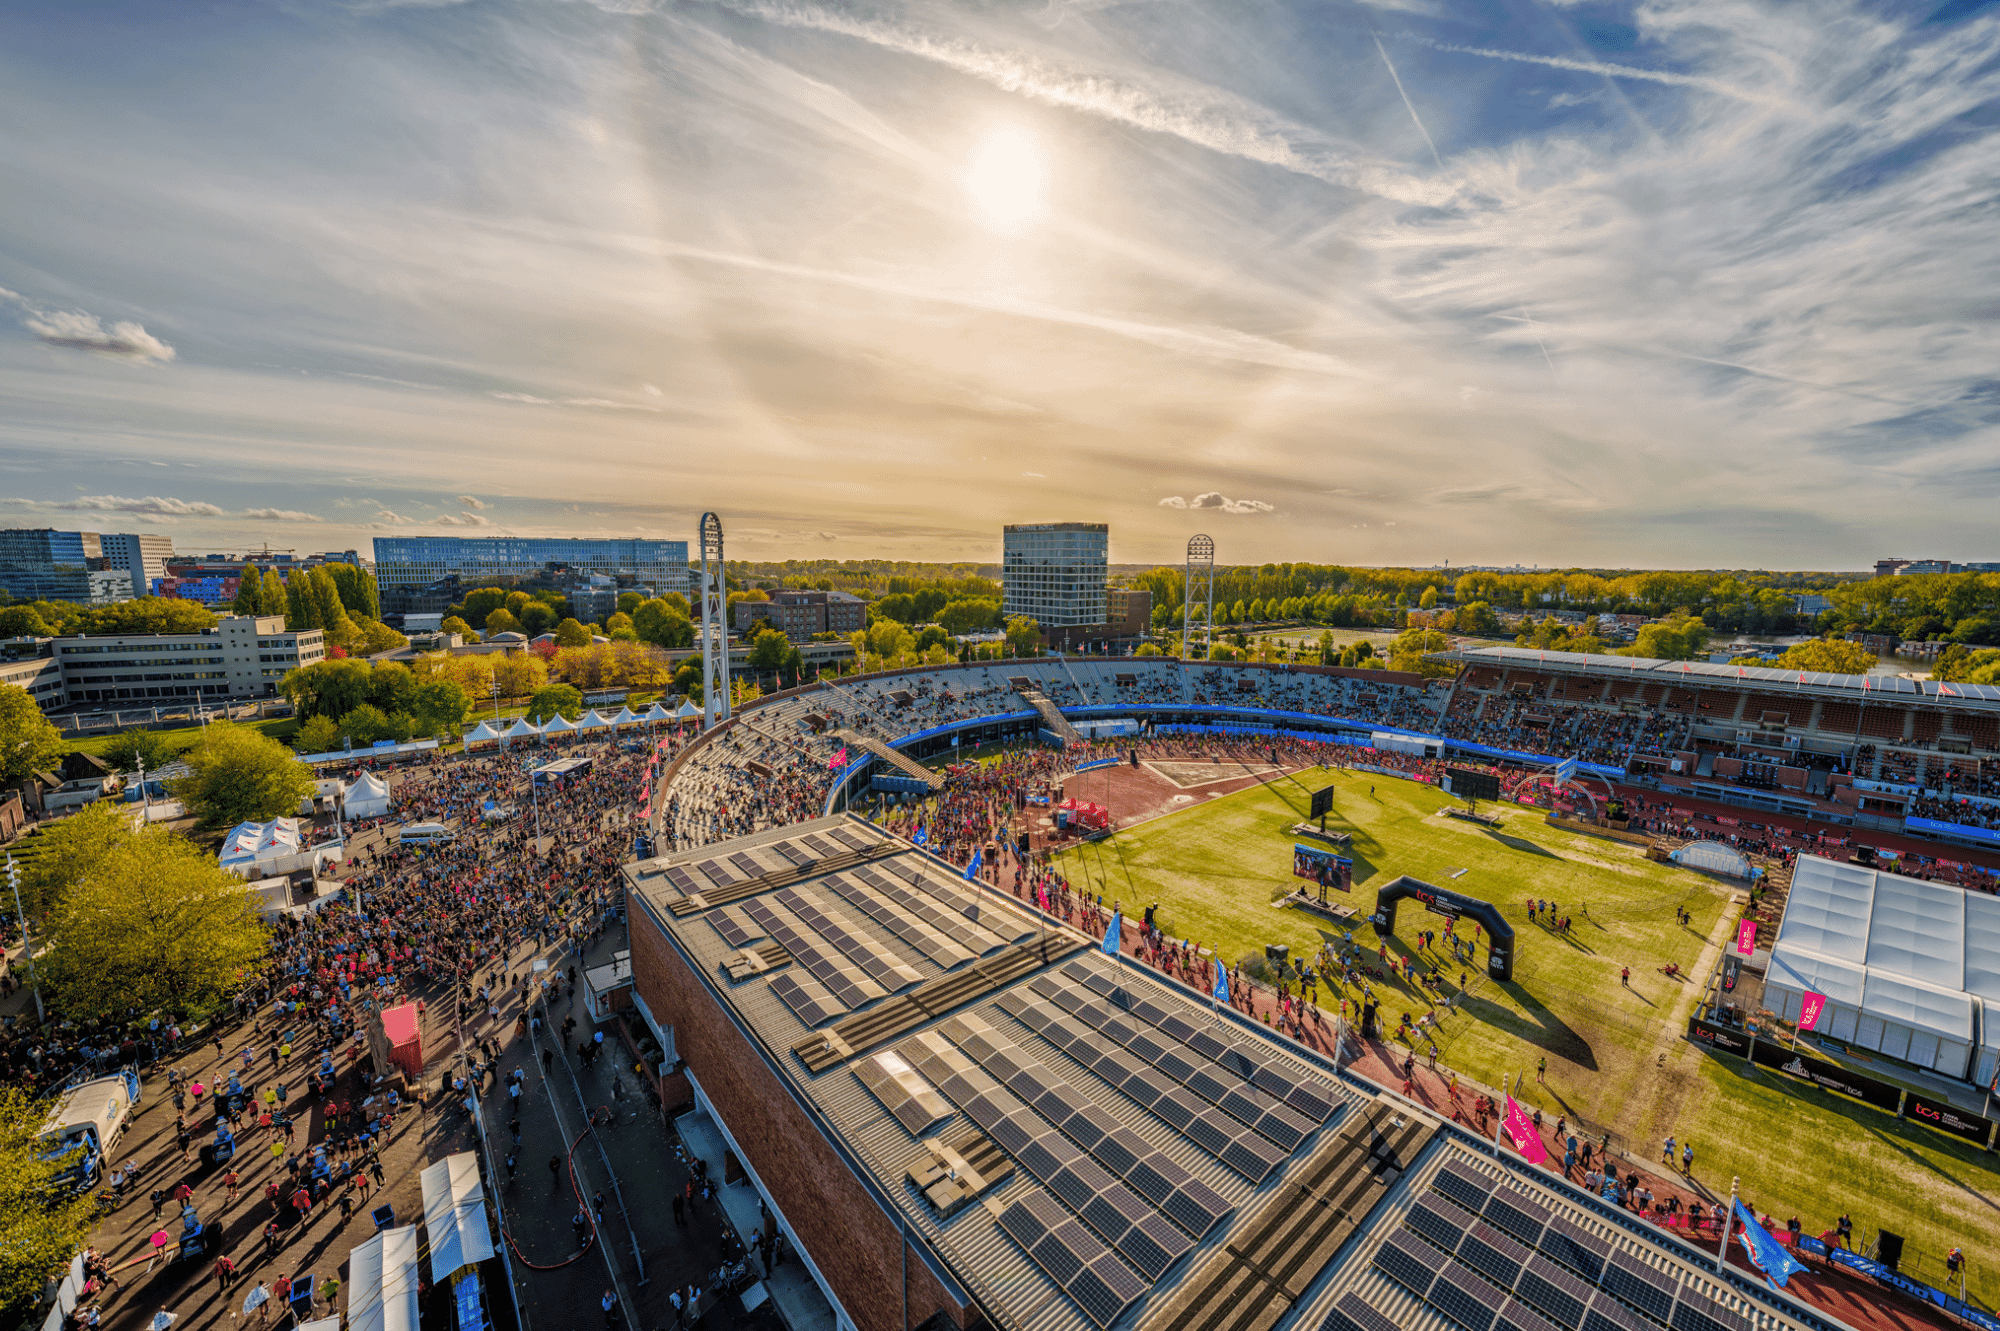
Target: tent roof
{"points": [[1827, 910], [455, 1214], [626, 716], [400, 1023], [482, 731], [522, 726], [558, 725], [369, 786], [593, 720], [657, 713], [249, 842], [687, 708], [382, 1282], [1714, 857]]}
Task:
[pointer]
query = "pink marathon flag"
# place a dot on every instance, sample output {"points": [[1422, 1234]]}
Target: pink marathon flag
{"points": [[838, 761], [1809, 1010], [1522, 1130], [1746, 937]]}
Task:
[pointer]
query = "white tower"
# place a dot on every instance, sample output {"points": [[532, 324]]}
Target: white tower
{"points": [[1200, 564], [714, 594]]}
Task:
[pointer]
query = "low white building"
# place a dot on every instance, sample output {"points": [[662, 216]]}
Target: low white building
{"points": [[1910, 969]]}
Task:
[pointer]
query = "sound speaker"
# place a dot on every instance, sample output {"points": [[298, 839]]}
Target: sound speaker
{"points": [[1888, 1249], [1865, 855], [1024, 843]]}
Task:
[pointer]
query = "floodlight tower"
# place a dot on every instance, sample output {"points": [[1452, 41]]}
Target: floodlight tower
{"points": [[714, 594], [1200, 564]]}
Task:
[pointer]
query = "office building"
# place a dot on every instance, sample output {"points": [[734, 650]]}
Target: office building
{"points": [[141, 554], [1055, 572], [241, 658], [801, 614], [40, 564], [423, 574]]}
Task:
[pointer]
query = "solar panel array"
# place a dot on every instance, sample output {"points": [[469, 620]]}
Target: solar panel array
{"points": [[903, 1092], [1113, 1211], [850, 940], [734, 927], [807, 998], [934, 937], [1009, 924], [1182, 1197], [934, 913], [1315, 1099], [845, 980], [1066, 1252], [1493, 1259]]}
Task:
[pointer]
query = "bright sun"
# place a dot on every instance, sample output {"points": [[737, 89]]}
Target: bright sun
{"points": [[1005, 179]]}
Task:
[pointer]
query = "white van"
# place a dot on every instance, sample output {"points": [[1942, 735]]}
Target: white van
{"points": [[426, 834], [86, 1124]]}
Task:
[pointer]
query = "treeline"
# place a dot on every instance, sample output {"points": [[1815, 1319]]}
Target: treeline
{"points": [[1948, 607], [63, 619], [867, 578]]}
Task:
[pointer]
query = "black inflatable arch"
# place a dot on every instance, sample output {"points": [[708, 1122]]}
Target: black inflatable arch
{"points": [[1451, 905]]}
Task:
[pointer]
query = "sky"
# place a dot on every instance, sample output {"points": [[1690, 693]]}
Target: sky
{"points": [[1683, 283]]}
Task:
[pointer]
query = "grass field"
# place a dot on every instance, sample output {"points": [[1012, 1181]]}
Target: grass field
{"points": [[1617, 1059], [180, 740]]}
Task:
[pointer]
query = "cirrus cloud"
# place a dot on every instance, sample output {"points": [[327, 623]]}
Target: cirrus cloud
{"points": [[86, 332]]}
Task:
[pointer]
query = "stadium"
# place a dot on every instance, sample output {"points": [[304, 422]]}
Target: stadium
{"points": [[867, 930]]}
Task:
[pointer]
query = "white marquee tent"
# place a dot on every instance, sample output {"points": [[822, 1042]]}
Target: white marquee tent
{"points": [[1713, 857], [558, 725], [382, 1282], [656, 713], [482, 734], [1910, 969], [626, 717], [455, 1214], [593, 720], [366, 798], [521, 729], [686, 710]]}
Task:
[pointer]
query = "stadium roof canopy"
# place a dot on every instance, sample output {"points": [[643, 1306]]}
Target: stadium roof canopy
{"points": [[1706, 674]]}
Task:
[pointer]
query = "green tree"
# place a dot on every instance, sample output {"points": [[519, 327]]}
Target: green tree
{"points": [[569, 633], [271, 598], [1477, 617], [148, 614], [1679, 639], [769, 649], [301, 605], [392, 686], [501, 621], [21, 621], [68, 849], [127, 750], [1328, 653], [1429, 600], [368, 723], [356, 588], [321, 734], [931, 635], [536, 619], [441, 706], [555, 699], [618, 620], [372, 636], [453, 624], [482, 602], [630, 601], [249, 593], [186, 929], [687, 680], [970, 615], [27, 741], [42, 1225], [1409, 650], [1828, 656], [241, 775], [658, 622], [328, 688], [1024, 635], [333, 616]]}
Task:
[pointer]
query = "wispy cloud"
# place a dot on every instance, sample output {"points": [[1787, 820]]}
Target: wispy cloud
{"points": [[74, 329], [1219, 502], [469, 502], [600, 403], [277, 515]]}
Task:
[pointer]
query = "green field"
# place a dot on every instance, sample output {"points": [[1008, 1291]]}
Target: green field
{"points": [[1617, 1058], [180, 739]]}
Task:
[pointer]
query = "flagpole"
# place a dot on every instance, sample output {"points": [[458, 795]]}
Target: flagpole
{"points": [[1728, 1220]]}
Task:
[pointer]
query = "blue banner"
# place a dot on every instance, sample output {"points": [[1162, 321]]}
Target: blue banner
{"points": [[1895, 1280], [1766, 1253], [1093, 766], [1936, 828]]}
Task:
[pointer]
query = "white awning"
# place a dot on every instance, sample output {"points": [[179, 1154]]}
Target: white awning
{"points": [[1917, 929], [455, 1215], [657, 713], [686, 710], [382, 1282], [521, 729], [1945, 1013], [593, 720], [558, 725], [1801, 972], [626, 717], [482, 734]]}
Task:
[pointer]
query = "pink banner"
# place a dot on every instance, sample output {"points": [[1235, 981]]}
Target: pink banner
{"points": [[1521, 1129], [838, 761], [1810, 1009], [1746, 937]]}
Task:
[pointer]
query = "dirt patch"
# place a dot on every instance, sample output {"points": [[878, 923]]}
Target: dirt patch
{"points": [[1188, 775]]}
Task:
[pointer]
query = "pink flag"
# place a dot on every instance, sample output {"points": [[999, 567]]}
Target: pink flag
{"points": [[1810, 1009], [838, 761], [1746, 937], [1522, 1130]]}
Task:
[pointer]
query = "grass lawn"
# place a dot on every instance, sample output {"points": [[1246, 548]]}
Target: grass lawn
{"points": [[1617, 1059], [180, 740]]}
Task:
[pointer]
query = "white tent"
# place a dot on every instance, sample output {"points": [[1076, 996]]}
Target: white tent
{"points": [[521, 729], [1897, 959], [455, 1215], [272, 848], [382, 1282], [482, 734], [656, 713], [558, 725], [1713, 857], [593, 720], [685, 710], [626, 717], [366, 798]]}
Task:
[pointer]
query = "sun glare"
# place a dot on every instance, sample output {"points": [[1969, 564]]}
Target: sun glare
{"points": [[1005, 179]]}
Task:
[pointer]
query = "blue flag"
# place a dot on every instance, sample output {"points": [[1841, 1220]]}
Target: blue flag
{"points": [[972, 869], [1111, 932], [1765, 1253], [921, 837], [1221, 981]]}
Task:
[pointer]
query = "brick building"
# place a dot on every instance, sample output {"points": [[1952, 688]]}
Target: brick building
{"points": [[803, 613]]}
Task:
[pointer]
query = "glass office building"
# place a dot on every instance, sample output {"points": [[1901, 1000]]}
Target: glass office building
{"points": [[407, 565], [1055, 572], [40, 564]]}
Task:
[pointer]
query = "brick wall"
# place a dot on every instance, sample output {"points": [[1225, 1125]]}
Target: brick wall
{"points": [[852, 1242]]}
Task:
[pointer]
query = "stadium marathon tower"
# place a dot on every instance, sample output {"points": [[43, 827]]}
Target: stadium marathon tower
{"points": [[714, 625], [1200, 562]]}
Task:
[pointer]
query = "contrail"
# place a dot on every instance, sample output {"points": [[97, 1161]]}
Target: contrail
{"points": [[1614, 71], [1398, 80]]}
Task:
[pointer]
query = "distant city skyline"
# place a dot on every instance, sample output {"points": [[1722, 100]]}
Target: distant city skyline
{"points": [[1666, 285]]}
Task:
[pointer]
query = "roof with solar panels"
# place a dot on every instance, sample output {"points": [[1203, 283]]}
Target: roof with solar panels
{"points": [[1087, 1145]]}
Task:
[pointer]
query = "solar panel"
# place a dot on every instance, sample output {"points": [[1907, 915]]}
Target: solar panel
{"points": [[1517, 1316], [734, 928], [1152, 1245], [847, 838], [1251, 1158], [1698, 1312], [1553, 1290], [1063, 1252], [1518, 1215], [1468, 1189], [1466, 1300], [717, 872], [1351, 1314], [933, 937], [1494, 1255], [1406, 1268], [1607, 1315], [1104, 1289], [1581, 1252], [849, 939], [842, 979], [1639, 1285], [1434, 1225], [819, 848], [807, 998], [746, 866]]}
